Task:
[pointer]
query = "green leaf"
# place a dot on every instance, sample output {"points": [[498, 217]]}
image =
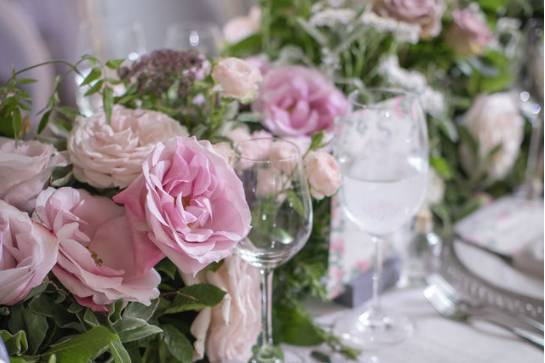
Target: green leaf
{"points": [[195, 297], [167, 267], [95, 74], [95, 88], [141, 311], [441, 166], [114, 63], [52, 359], [294, 326], [249, 117], [90, 318], [108, 102], [119, 353], [131, 329], [84, 347], [214, 266], [177, 344], [296, 203], [316, 141], [16, 344], [43, 121], [35, 326]]}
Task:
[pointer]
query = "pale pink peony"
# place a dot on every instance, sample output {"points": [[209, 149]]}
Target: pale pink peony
{"points": [[27, 253], [242, 27], [297, 101], [424, 13], [25, 169], [188, 205], [96, 261], [323, 173], [238, 79], [230, 329], [108, 155], [469, 33]]}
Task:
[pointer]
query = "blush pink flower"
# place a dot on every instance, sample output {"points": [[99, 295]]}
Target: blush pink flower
{"points": [[424, 13], [298, 101], [469, 33], [230, 329], [110, 154], [188, 205], [27, 253], [238, 78], [25, 168], [96, 261], [323, 173]]}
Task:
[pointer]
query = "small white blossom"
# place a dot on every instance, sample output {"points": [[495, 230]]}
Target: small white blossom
{"points": [[403, 32], [333, 17]]}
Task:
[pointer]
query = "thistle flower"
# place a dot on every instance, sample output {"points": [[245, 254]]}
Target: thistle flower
{"points": [[156, 72]]}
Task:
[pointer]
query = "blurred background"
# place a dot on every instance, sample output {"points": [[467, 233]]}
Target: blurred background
{"points": [[33, 31]]}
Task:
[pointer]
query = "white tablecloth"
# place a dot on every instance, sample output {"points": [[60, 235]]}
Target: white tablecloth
{"points": [[438, 340]]}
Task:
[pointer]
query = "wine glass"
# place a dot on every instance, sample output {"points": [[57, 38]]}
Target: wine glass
{"points": [[277, 193], [205, 37], [124, 41], [382, 147]]}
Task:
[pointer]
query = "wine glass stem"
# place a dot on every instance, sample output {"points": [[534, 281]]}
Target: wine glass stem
{"points": [[266, 306], [377, 272]]}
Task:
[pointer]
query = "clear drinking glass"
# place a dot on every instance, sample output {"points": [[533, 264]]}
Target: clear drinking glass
{"points": [[277, 193], [205, 37], [105, 41], [382, 147]]}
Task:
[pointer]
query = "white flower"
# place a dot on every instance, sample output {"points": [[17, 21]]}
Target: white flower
{"points": [[242, 27], [403, 32], [432, 101], [108, 155], [230, 329], [238, 79], [333, 17], [494, 120]]}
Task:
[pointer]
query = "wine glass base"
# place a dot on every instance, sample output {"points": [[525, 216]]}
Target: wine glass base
{"points": [[373, 329]]}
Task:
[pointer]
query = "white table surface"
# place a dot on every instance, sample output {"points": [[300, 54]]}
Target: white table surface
{"points": [[437, 340]]}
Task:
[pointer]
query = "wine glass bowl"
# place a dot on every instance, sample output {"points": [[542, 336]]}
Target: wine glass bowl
{"points": [[382, 148], [277, 193]]}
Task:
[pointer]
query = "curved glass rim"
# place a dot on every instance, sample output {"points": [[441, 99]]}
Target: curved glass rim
{"points": [[297, 156], [391, 90]]}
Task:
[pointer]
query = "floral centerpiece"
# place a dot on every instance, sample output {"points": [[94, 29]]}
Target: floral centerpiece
{"points": [[117, 230]]}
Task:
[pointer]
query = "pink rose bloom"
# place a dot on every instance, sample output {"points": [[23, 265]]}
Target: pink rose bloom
{"points": [[25, 168], [469, 33], [425, 13], [323, 173], [27, 253], [188, 205], [238, 78], [96, 261], [230, 329], [298, 101], [108, 155], [261, 62]]}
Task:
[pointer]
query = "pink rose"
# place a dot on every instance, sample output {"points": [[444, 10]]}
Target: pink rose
{"points": [[298, 101], [230, 329], [188, 205], [323, 173], [109, 155], [27, 253], [25, 168], [469, 33], [96, 261], [238, 79], [425, 13], [261, 62]]}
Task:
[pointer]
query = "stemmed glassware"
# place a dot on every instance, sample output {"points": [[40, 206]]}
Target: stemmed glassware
{"points": [[205, 37], [277, 193], [382, 147]]}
